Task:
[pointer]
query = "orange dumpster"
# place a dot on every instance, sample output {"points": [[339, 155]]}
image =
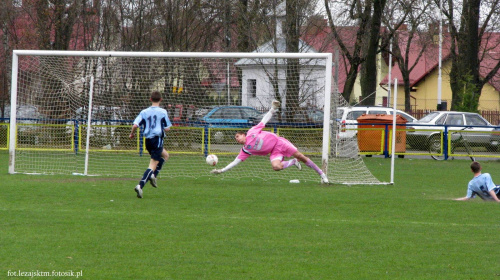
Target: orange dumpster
{"points": [[371, 134]]}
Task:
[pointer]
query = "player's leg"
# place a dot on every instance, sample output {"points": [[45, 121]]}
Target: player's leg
{"points": [[284, 148], [276, 163], [301, 157], [148, 173], [282, 164], [151, 147], [153, 178], [145, 177], [164, 157], [279, 164]]}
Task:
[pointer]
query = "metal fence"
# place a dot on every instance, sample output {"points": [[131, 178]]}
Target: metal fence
{"points": [[439, 141]]}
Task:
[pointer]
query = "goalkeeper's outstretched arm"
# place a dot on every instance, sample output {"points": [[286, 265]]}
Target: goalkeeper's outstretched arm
{"points": [[235, 162]]}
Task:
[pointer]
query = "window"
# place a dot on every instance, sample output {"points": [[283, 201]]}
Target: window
{"points": [[474, 120], [454, 120], [252, 87], [219, 114], [354, 115], [377, 112], [248, 113], [441, 119]]}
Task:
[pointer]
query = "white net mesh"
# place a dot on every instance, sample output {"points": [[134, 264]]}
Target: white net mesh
{"points": [[345, 164], [208, 100]]}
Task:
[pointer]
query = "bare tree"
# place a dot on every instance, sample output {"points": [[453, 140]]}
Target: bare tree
{"points": [[470, 25], [405, 21], [7, 16], [369, 68], [350, 13]]}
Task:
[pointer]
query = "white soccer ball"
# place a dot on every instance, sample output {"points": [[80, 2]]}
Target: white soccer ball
{"points": [[212, 160]]}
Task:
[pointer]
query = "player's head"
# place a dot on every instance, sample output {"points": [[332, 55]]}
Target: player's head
{"points": [[475, 167], [241, 137], [155, 96]]}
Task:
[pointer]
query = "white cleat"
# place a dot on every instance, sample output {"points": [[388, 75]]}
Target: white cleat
{"points": [[298, 165], [138, 190], [152, 180], [324, 179]]}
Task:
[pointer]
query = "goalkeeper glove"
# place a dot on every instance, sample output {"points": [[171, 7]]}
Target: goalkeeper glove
{"points": [[275, 105], [216, 171]]}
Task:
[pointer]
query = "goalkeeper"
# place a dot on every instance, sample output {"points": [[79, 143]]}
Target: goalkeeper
{"points": [[261, 143]]}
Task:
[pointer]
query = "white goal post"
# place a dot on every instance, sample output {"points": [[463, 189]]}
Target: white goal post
{"points": [[70, 112]]}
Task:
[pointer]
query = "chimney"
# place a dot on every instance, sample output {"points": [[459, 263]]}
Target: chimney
{"points": [[280, 15]]}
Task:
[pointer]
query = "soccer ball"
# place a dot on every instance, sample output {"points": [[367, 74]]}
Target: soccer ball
{"points": [[212, 160]]}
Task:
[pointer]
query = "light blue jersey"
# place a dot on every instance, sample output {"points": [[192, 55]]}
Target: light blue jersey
{"points": [[153, 121], [480, 186]]}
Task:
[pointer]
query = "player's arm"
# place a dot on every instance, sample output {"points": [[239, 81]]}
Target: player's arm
{"points": [[494, 196], [470, 194], [137, 122], [132, 133], [235, 162], [274, 106], [167, 123]]}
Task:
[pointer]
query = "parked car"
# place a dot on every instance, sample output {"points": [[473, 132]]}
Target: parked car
{"points": [[477, 130], [309, 116], [227, 116], [348, 117], [305, 117], [28, 117]]}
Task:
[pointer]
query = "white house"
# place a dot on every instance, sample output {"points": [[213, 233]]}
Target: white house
{"points": [[264, 79]]}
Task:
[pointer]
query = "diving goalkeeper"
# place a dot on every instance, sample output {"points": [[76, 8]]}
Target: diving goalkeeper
{"points": [[261, 143]]}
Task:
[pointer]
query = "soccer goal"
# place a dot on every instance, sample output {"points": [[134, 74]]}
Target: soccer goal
{"points": [[71, 112]]}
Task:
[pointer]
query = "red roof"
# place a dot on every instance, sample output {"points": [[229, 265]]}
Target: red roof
{"points": [[321, 39], [429, 61]]}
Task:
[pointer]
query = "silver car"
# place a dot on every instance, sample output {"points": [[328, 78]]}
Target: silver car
{"points": [[471, 127]]}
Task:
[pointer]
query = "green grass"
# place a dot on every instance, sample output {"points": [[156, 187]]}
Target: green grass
{"points": [[232, 229]]}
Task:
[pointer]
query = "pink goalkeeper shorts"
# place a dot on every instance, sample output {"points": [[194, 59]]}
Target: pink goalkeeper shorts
{"points": [[283, 148]]}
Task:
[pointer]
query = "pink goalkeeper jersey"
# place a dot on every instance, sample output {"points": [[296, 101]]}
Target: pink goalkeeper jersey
{"points": [[258, 142]]}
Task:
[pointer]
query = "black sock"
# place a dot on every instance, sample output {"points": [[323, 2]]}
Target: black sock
{"points": [[158, 167], [145, 177]]}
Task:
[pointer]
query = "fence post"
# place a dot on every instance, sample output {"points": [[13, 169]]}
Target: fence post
{"points": [[386, 140], [445, 144], [205, 140], [76, 134]]}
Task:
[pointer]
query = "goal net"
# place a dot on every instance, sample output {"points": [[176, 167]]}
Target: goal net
{"points": [[71, 112]]}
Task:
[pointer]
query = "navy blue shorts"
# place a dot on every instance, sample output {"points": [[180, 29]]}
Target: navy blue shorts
{"points": [[155, 147]]}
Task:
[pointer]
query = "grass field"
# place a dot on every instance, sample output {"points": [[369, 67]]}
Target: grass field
{"points": [[233, 229]]}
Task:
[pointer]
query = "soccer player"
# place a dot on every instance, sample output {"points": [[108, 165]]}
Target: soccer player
{"points": [[154, 122], [481, 185], [261, 143]]}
